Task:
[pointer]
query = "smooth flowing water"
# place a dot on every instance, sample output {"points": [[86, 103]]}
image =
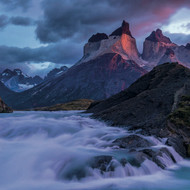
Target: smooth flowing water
{"points": [[53, 151]]}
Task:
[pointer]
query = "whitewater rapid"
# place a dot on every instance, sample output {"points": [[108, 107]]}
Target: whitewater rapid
{"points": [[52, 151]]}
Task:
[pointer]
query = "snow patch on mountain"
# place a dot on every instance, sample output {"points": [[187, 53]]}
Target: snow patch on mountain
{"points": [[17, 81]]}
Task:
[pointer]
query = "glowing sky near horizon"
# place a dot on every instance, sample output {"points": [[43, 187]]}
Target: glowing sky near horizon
{"points": [[179, 22]]}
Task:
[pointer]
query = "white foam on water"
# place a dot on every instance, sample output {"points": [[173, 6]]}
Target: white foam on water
{"points": [[44, 150]]}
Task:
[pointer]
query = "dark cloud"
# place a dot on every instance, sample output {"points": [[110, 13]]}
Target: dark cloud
{"points": [[73, 19], [13, 4], [21, 21], [61, 53], [18, 20], [4, 21]]}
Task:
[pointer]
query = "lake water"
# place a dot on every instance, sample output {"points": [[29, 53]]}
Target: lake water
{"points": [[52, 151]]}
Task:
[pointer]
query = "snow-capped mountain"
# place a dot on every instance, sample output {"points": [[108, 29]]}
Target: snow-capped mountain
{"points": [[17, 81]]}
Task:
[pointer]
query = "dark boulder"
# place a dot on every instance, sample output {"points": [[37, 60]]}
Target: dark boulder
{"points": [[101, 163], [132, 142]]}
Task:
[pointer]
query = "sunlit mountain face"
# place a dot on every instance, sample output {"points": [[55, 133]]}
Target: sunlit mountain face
{"points": [[38, 38]]}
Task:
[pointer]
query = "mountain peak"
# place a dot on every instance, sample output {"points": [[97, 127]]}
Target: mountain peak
{"points": [[124, 29], [7, 71], [17, 71], [157, 36], [188, 46], [159, 32], [98, 37]]}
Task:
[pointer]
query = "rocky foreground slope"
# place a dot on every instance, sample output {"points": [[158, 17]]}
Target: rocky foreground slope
{"points": [[156, 104]]}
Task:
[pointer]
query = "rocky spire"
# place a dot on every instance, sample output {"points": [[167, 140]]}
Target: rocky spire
{"points": [[157, 36], [124, 29]]}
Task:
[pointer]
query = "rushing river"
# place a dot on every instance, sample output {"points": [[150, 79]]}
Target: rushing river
{"points": [[51, 151]]}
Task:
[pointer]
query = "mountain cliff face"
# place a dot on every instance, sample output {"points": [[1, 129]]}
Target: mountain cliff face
{"points": [[156, 104], [159, 49], [120, 42], [17, 81], [155, 47]]}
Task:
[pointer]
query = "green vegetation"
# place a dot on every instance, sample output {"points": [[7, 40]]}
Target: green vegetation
{"points": [[181, 116], [81, 104]]}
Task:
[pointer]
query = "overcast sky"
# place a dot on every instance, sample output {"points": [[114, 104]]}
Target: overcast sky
{"points": [[38, 35]]}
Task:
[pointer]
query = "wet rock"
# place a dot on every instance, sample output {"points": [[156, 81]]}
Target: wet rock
{"points": [[75, 173], [132, 142], [156, 155], [177, 143], [101, 162]]}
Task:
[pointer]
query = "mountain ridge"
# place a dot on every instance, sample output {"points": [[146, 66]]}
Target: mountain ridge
{"points": [[17, 81], [110, 64]]}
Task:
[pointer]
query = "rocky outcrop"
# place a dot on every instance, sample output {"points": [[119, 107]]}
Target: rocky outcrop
{"points": [[157, 36], [168, 57], [148, 103], [98, 37], [124, 29], [159, 49], [120, 42], [132, 142], [4, 108], [155, 47]]}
